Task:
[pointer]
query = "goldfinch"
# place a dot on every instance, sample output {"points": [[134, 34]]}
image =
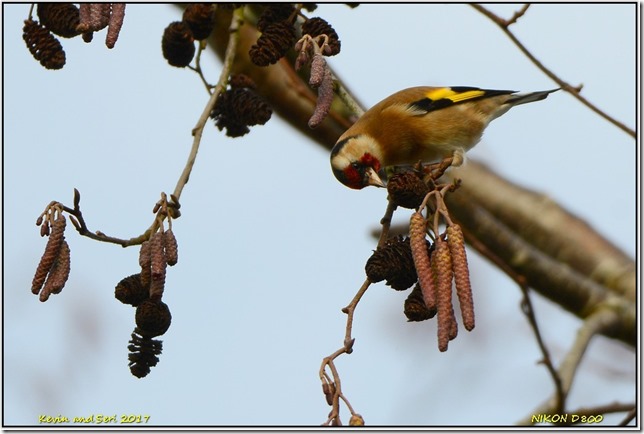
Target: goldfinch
{"points": [[419, 124]]}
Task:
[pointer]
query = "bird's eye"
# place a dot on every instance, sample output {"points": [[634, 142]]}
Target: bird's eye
{"points": [[355, 165]]}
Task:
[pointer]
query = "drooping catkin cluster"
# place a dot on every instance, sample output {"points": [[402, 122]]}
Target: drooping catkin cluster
{"points": [[155, 255], [144, 291], [318, 39], [68, 20], [436, 271], [96, 16], [55, 264], [240, 107]]}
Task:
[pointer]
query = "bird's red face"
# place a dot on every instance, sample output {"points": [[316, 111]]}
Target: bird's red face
{"points": [[354, 171]]}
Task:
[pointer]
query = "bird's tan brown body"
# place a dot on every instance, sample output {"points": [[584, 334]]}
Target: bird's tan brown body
{"points": [[419, 124]]}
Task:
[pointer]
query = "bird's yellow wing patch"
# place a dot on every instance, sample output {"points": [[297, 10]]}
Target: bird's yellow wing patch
{"points": [[455, 94], [436, 99]]}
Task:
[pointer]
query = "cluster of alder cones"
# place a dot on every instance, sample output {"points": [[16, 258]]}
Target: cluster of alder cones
{"points": [[240, 107]]}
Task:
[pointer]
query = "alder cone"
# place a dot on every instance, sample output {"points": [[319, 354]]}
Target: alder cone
{"points": [[177, 44], [61, 19], [43, 46]]}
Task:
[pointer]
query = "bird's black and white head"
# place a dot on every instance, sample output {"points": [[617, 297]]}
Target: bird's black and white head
{"points": [[356, 162]]}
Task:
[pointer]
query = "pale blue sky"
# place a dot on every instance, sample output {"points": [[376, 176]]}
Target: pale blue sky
{"points": [[266, 263]]}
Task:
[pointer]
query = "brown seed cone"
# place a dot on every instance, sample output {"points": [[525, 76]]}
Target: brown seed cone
{"points": [[143, 354], [420, 253], [407, 189], [43, 46], [158, 265], [61, 19], [117, 16], [317, 26], [200, 17], [415, 308], [171, 247], [145, 259], [273, 44], [238, 108], [249, 107], [447, 327], [58, 274], [131, 291], [152, 318], [456, 243], [52, 250], [274, 13], [393, 261], [177, 44]]}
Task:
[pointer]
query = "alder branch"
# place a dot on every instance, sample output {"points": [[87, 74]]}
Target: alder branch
{"points": [[349, 340], [574, 91], [197, 132], [79, 221]]}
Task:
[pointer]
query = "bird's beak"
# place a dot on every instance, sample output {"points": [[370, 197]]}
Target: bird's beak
{"points": [[373, 178]]}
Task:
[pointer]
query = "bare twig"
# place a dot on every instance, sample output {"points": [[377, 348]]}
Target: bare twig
{"points": [[197, 68], [197, 132], [574, 91], [347, 346], [518, 14], [528, 310]]}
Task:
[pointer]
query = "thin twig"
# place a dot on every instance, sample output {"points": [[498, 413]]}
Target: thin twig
{"points": [[197, 68], [346, 97], [518, 14], [526, 306], [574, 91], [81, 226], [347, 347], [385, 222], [197, 132]]}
